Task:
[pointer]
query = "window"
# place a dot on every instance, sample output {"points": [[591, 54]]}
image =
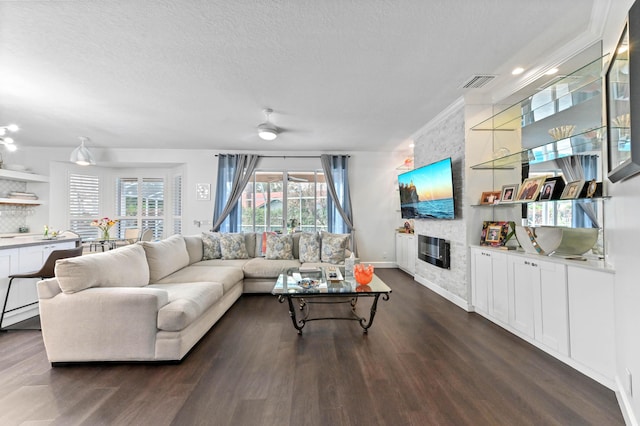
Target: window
{"points": [[140, 204], [272, 200], [84, 204], [177, 204]]}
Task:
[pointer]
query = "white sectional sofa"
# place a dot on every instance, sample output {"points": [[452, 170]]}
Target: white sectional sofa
{"points": [[153, 301]]}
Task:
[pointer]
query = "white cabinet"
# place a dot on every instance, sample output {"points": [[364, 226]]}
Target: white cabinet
{"points": [[490, 283], [591, 319], [23, 291], [539, 306], [406, 252]]}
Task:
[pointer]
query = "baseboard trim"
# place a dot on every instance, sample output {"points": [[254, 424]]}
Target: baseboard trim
{"points": [[453, 298], [625, 404]]}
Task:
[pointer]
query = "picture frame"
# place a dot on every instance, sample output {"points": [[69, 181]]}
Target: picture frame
{"points": [[494, 234], [203, 191], [509, 193], [546, 193], [592, 187], [490, 197], [572, 190], [530, 188]]}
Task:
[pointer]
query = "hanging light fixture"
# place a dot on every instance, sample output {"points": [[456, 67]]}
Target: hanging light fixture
{"points": [[81, 155], [6, 141], [267, 130]]}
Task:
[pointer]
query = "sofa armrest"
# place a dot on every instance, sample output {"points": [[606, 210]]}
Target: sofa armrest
{"points": [[102, 324], [48, 288]]}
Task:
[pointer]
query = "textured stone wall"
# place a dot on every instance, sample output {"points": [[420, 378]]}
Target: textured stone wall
{"points": [[446, 138]]}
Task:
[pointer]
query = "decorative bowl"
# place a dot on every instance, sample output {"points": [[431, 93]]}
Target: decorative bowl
{"points": [[556, 240], [362, 273]]}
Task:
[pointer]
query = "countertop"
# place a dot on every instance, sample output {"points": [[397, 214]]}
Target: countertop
{"points": [[8, 241]]}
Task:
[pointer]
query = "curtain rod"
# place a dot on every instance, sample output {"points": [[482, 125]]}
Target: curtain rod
{"points": [[290, 156]]}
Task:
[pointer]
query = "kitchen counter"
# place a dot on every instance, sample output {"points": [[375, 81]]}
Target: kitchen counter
{"points": [[8, 241]]}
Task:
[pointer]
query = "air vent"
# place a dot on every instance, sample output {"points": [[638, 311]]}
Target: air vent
{"points": [[478, 81]]}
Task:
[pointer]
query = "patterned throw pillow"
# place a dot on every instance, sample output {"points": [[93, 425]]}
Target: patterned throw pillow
{"points": [[211, 246], [279, 247], [309, 247], [333, 246], [232, 246]]}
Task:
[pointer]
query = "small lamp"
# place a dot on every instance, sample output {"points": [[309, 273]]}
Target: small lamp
{"points": [[81, 155]]}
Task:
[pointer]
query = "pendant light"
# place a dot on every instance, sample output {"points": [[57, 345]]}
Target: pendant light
{"points": [[81, 155], [267, 130], [7, 141]]}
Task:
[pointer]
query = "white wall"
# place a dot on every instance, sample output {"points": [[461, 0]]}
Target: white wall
{"points": [[372, 177]]}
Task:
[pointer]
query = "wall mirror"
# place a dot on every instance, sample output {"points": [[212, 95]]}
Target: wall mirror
{"points": [[622, 149]]}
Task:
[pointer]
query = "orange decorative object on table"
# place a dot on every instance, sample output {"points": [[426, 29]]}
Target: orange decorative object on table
{"points": [[363, 274]]}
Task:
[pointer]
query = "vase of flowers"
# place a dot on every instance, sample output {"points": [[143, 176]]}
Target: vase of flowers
{"points": [[104, 225]]}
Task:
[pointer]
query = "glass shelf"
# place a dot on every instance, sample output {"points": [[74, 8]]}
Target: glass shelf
{"points": [[581, 143], [520, 203], [580, 86]]}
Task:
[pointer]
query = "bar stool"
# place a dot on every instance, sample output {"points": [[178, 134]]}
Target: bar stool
{"points": [[47, 271]]}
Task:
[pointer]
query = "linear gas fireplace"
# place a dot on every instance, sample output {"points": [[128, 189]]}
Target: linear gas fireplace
{"points": [[434, 251]]}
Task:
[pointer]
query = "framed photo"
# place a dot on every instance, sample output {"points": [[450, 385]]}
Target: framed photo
{"points": [[203, 191], [572, 190], [546, 193], [509, 193], [490, 197], [530, 188], [592, 186], [494, 234]]}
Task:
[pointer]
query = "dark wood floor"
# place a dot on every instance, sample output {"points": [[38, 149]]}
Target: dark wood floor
{"points": [[424, 362]]}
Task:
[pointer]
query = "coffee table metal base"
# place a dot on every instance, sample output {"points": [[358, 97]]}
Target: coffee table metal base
{"points": [[305, 300]]}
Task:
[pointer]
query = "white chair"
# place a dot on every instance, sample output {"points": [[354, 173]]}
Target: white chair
{"points": [[147, 235], [131, 235]]}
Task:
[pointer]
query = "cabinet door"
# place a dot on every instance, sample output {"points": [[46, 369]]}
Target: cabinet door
{"points": [[551, 306], [522, 279], [499, 288], [8, 266], [591, 319], [481, 276], [401, 252], [411, 254]]}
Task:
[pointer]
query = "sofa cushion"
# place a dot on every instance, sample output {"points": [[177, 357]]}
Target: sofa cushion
{"points": [[228, 276], [238, 263], [194, 247], [123, 267], [165, 256], [187, 302], [260, 267], [211, 246], [251, 243], [279, 247], [333, 247], [309, 247], [233, 246]]}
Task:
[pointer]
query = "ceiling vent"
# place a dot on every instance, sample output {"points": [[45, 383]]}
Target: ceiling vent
{"points": [[478, 81]]}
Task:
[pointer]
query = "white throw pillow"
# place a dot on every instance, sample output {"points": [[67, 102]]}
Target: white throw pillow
{"points": [[166, 256], [123, 267]]}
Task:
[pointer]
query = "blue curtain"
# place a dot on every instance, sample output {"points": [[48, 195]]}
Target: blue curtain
{"points": [[234, 171], [339, 216], [584, 212]]}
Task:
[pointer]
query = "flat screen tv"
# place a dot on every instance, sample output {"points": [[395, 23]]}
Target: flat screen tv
{"points": [[427, 192]]}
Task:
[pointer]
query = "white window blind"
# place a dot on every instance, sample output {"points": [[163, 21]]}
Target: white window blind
{"points": [[84, 204], [177, 204]]}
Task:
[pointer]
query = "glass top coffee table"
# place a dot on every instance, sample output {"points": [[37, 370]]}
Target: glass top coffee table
{"points": [[320, 286]]}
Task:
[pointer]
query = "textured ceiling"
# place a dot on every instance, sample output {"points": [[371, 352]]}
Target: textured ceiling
{"points": [[339, 75]]}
